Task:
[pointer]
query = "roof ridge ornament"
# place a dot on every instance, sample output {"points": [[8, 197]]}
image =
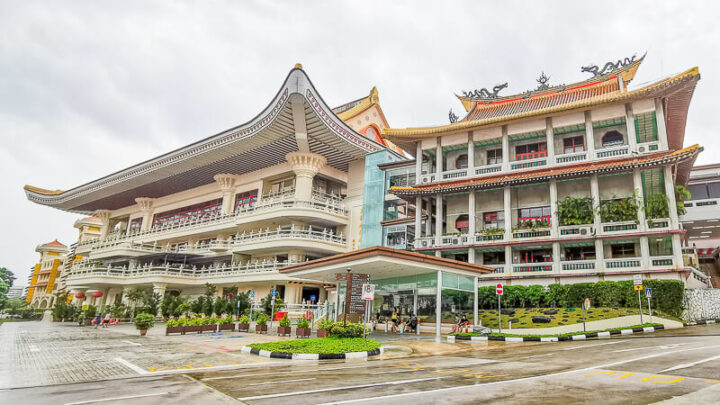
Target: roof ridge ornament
{"points": [[543, 81], [452, 117], [485, 93], [609, 67]]}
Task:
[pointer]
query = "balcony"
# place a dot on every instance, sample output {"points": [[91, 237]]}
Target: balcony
{"points": [[619, 227], [576, 230], [623, 263], [661, 261], [571, 157], [490, 237], [291, 236], [577, 265], [614, 151], [488, 169], [657, 224], [497, 268], [424, 242], [455, 240], [532, 267], [530, 233], [530, 163], [454, 174], [648, 147]]}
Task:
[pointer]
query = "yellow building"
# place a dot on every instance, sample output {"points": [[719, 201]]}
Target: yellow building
{"points": [[44, 279]]}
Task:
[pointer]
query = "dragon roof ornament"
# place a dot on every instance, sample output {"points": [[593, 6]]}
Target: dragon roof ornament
{"points": [[609, 67], [485, 93]]}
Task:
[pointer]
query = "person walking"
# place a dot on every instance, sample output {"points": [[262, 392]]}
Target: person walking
{"points": [[98, 319], [394, 320], [106, 322]]}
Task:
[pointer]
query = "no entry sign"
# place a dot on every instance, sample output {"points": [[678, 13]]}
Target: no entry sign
{"points": [[499, 289]]}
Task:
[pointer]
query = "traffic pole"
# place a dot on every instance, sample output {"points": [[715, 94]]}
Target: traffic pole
{"points": [[640, 306], [499, 315], [649, 309]]}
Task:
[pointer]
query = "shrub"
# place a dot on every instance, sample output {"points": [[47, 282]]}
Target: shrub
{"points": [[325, 325], [348, 330], [303, 323], [656, 206], [619, 210], [144, 321], [575, 211], [244, 319], [227, 319], [261, 319], [284, 322]]}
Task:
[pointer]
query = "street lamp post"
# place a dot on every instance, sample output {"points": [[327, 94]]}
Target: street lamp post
{"points": [[347, 291]]}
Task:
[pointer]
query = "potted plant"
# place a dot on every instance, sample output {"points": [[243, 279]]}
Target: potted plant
{"points": [[210, 324], [303, 328], [194, 325], [261, 323], [244, 323], [227, 323], [284, 328], [143, 322], [174, 326], [89, 315], [324, 328]]}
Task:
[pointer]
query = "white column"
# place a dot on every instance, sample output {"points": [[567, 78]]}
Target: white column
{"points": [[589, 136], [226, 183], [438, 308], [159, 288], [104, 217], [471, 255], [471, 155], [597, 222], [428, 221], [505, 150], [418, 217], [471, 215], [146, 207], [644, 252], [670, 193], [438, 159], [418, 162], [677, 251], [475, 300], [550, 140], [554, 220], [507, 207], [630, 124], [508, 259], [556, 257], [638, 185], [438, 218], [660, 117], [305, 165]]}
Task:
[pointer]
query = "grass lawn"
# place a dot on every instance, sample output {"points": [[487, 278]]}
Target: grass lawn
{"points": [[320, 346], [645, 325], [564, 316]]}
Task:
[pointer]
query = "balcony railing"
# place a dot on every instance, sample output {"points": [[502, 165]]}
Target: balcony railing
{"points": [[576, 230], [488, 169], [294, 233], [578, 264], [619, 227], [571, 157], [661, 261], [648, 147], [497, 268], [424, 242], [623, 263], [525, 234], [85, 270], [658, 223], [613, 151], [532, 267], [454, 174], [481, 237], [528, 163]]}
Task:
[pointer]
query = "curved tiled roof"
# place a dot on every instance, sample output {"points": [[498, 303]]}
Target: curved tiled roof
{"points": [[539, 175]]}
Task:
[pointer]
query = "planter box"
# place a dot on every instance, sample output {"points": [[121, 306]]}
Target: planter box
{"points": [[285, 330], [209, 328], [302, 332], [321, 333], [87, 322], [243, 327], [174, 329], [226, 326], [193, 328], [260, 328]]}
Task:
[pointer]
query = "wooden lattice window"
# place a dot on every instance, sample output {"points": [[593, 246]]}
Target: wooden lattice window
{"points": [[646, 127]]}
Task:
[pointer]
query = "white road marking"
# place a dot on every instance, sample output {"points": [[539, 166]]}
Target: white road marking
{"points": [[599, 344], [679, 366], [465, 387], [283, 382], [672, 346], [286, 394], [131, 366], [34, 348], [280, 372], [117, 398], [538, 355], [132, 343]]}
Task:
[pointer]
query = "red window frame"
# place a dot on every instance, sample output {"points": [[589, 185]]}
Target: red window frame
{"points": [[527, 155], [135, 225], [187, 214], [246, 199], [576, 144], [494, 156]]}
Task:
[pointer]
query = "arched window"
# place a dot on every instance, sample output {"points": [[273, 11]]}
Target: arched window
{"points": [[370, 133], [462, 223], [461, 162], [612, 138]]}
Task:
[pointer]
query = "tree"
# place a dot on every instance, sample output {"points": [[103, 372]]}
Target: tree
{"points": [[266, 304], [7, 276]]}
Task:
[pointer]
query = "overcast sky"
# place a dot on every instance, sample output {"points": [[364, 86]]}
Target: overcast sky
{"points": [[88, 88]]}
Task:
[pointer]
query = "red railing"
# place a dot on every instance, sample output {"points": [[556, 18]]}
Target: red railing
{"points": [[530, 155]]}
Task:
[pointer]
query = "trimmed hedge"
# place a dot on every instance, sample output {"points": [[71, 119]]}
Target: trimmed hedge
{"points": [[667, 295]]}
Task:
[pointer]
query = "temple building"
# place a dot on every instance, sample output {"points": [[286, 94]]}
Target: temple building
{"points": [[43, 284], [560, 184]]}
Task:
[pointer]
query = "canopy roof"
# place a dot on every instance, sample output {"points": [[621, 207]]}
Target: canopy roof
{"points": [[565, 171], [381, 262], [297, 108], [675, 91]]}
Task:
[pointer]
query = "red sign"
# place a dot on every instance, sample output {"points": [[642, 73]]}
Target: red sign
{"points": [[499, 289]]}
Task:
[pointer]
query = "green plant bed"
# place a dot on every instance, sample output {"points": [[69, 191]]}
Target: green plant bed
{"points": [[564, 316], [645, 325], [328, 345]]}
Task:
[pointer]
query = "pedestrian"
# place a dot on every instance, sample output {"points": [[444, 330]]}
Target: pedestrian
{"points": [[107, 320], [394, 320], [98, 319], [456, 325]]}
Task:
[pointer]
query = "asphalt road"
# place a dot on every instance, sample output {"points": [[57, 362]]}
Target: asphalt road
{"points": [[681, 366]]}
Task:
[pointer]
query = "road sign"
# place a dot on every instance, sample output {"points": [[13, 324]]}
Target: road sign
{"points": [[252, 294], [499, 289], [637, 279], [274, 291], [638, 287], [586, 304], [85, 307], [368, 291], [312, 298], [648, 292]]}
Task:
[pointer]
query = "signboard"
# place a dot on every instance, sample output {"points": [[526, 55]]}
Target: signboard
{"points": [[637, 279], [638, 287], [85, 307], [586, 304], [499, 289], [273, 293], [648, 292], [252, 294], [312, 298], [354, 302], [368, 291]]}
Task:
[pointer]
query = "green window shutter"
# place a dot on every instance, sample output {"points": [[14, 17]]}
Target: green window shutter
{"points": [[646, 127], [653, 183]]}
